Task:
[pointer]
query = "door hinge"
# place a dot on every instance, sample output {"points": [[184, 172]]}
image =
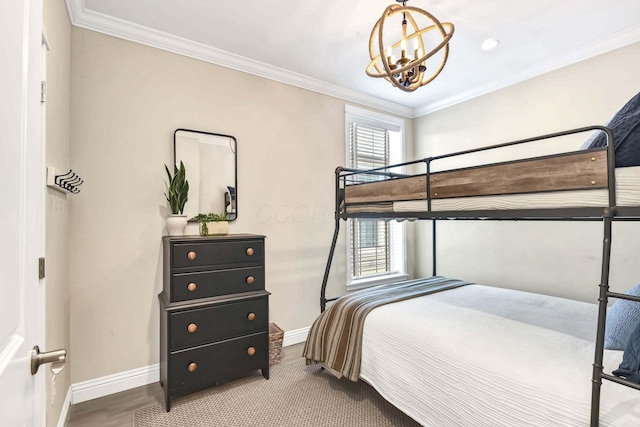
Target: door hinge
{"points": [[43, 91], [41, 269]]}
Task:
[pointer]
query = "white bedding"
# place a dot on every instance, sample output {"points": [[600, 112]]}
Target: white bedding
{"points": [[483, 356], [627, 194]]}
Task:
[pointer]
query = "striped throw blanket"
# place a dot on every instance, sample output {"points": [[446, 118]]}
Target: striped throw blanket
{"points": [[335, 338]]}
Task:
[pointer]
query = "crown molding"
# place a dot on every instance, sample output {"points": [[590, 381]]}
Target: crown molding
{"points": [[615, 41], [83, 18]]}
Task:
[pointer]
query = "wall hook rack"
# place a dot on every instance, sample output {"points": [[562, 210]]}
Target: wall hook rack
{"points": [[65, 182]]}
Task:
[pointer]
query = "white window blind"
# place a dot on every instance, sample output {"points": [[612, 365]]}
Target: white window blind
{"points": [[368, 146], [376, 248]]}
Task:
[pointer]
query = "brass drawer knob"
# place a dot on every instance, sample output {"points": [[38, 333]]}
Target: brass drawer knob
{"points": [[192, 367], [251, 351], [192, 327], [249, 251], [191, 287], [251, 316], [250, 280], [191, 255]]}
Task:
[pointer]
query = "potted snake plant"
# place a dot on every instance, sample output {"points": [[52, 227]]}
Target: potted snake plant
{"points": [[177, 195]]}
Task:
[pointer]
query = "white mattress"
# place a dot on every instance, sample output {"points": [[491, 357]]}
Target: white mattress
{"points": [[481, 356], [627, 194]]}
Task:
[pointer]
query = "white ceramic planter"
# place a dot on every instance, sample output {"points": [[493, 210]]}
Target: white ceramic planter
{"points": [[176, 225]]}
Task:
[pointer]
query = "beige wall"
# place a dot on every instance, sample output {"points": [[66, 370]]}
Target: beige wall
{"points": [[58, 65], [549, 257], [127, 99]]}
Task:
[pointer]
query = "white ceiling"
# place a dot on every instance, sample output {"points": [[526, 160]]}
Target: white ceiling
{"points": [[323, 45]]}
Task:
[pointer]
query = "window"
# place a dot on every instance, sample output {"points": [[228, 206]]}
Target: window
{"points": [[376, 249]]}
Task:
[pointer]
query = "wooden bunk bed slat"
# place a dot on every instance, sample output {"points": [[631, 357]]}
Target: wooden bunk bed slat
{"points": [[412, 188], [565, 172]]}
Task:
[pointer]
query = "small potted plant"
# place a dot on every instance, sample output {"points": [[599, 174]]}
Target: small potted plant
{"points": [[212, 224], [177, 195]]}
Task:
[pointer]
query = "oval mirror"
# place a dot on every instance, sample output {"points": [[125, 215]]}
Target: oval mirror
{"points": [[210, 162]]}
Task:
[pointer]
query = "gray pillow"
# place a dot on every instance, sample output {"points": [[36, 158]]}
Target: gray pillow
{"points": [[630, 367], [592, 136], [625, 126], [622, 318]]}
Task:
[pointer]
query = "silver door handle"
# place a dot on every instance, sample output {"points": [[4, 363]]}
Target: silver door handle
{"points": [[37, 358]]}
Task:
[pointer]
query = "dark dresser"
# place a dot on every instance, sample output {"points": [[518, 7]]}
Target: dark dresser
{"points": [[214, 312]]}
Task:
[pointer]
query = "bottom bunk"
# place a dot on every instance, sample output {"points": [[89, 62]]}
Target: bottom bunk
{"points": [[475, 355]]}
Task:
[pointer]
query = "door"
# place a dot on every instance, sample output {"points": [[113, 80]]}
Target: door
{"points": [[22, 192]]}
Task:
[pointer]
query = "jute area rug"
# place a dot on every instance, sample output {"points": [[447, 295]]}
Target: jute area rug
{"points": [[295, 395]]}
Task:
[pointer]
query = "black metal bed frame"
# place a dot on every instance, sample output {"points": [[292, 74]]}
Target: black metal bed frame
{"points": [[606, 214]]}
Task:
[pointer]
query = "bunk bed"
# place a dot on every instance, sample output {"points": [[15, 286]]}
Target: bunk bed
{"points": [[456, 353]]}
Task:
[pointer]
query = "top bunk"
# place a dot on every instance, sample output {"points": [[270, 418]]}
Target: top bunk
{"points": [[588, 183]]}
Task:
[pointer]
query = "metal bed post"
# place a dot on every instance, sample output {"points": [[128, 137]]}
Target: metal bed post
{"points": [[336, 231], [433, 247], [602, 315], [608, 214], [427, 162], [323, 291]]}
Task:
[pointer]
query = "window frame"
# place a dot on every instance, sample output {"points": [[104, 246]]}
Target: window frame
{"points": [[394, 124]]}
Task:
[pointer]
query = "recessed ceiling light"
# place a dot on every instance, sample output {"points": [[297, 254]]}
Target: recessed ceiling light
{"points": [[489, 44]]}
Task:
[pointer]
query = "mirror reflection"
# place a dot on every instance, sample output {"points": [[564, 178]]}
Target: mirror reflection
{"points": [[210, 163]]}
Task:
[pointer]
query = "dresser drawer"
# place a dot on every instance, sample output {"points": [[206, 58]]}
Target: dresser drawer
{"points": [[217, 362], [217, 322], [188, 286], [218, 253]]}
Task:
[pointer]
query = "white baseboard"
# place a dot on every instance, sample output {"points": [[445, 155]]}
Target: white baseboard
{"points": [[295, 337], [104, 386]]}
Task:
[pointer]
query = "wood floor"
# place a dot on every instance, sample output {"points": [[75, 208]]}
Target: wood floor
{"points": [[117, 410]]}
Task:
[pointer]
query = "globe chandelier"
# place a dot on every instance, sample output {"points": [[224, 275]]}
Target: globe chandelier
{"points": [[393, 61]]}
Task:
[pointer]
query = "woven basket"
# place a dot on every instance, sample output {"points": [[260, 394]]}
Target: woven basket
{"points": [[275, 343]]}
